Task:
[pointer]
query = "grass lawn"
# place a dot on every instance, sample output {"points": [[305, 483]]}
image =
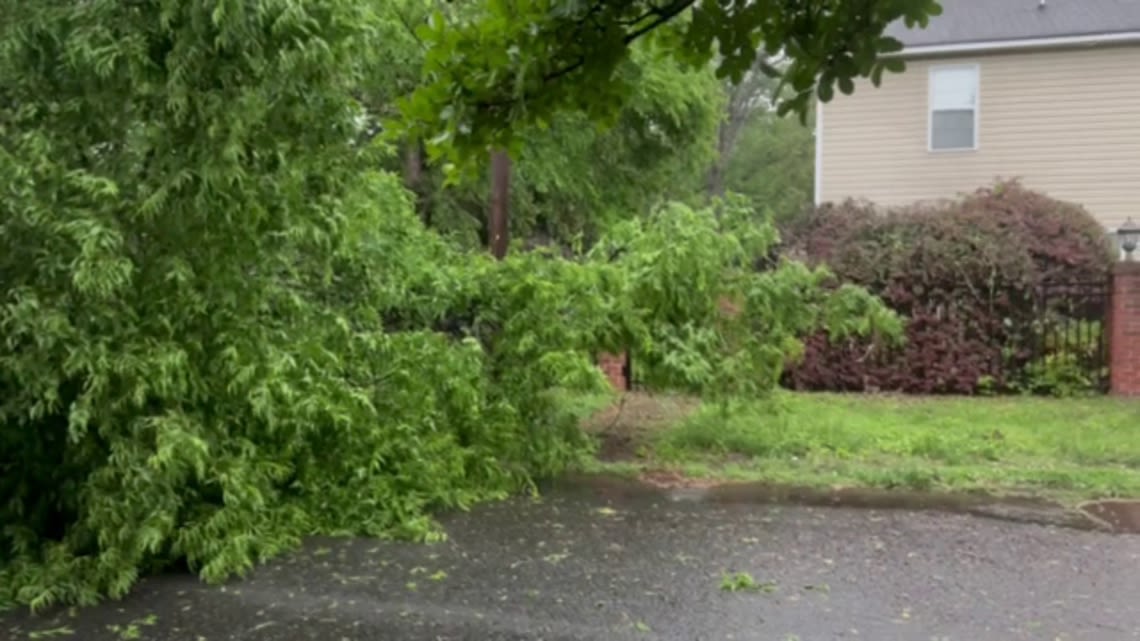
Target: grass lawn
{"points": [[1063, 449]]}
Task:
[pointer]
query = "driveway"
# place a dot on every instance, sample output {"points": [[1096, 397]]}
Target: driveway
{"points": [[625, 563]]}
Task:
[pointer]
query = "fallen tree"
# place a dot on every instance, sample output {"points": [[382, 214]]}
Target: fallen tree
{"points": [[222, 330]]}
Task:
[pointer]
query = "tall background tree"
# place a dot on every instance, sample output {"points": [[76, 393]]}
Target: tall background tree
{"points": [[762, 154], [571, 175], [754, 91], [773, 165]]}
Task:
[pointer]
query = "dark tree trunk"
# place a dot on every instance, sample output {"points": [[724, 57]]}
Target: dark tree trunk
{"points": [[414, 178], [715, 180], [413, 165], [725, 140], [498, 229]]}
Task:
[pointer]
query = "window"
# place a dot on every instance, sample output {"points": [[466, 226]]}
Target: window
{"points": [[954, 108]]}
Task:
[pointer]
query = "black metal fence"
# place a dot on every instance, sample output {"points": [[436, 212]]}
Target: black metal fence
{"points": [[1070, 334], [1063, 350]]}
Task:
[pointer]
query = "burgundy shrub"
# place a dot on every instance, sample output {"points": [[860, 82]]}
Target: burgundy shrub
{"points": [[965, 273]]}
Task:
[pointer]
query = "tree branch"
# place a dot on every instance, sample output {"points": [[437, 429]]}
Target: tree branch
{"points": [[653, 11], [663, 15], [667, 14], [411, 31]]}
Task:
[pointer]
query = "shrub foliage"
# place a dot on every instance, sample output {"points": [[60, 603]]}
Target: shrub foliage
{"points": [[222, 329], [966, 274]]}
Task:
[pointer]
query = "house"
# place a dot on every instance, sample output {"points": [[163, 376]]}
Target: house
{"points": [[1047, 91]]}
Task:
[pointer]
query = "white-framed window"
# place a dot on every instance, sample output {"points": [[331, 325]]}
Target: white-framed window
{"points": [[953, 108]]}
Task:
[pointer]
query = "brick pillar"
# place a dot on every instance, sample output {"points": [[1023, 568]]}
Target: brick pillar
{"points": [[1124, 330], [613, 366]]}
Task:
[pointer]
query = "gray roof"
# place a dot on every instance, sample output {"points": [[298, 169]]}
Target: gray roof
{"points": [[964, 21]]}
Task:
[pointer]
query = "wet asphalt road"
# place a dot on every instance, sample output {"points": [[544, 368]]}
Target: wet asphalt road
{"points": [[603, 565]]}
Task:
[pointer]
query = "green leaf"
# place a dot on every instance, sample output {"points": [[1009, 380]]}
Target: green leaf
{"points": [[826, 92]]}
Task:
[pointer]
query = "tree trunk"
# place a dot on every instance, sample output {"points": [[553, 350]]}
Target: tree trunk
{"points": [[744, 99], [499, 217], [413, 165], [715, 180], [414, 178]]}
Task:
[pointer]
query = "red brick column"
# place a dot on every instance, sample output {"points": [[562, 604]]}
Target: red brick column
{"points": [[1123, 327], [613, 366]]}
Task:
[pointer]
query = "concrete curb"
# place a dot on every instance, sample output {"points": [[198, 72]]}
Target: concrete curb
{"points": [[1015, 509], [1116, 515]]}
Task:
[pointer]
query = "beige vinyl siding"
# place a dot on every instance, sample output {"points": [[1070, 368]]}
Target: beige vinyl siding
{"points": [[1064, 122]]}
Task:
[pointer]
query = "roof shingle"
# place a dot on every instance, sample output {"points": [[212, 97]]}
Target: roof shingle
{"points": [[964, 21]]}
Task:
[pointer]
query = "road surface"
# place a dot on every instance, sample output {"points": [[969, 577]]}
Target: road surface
{"points": [[596, 565]]}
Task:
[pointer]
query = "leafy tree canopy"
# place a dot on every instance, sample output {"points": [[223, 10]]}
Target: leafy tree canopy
{"points": [[498, 64], [571, 175], [577, 177]]}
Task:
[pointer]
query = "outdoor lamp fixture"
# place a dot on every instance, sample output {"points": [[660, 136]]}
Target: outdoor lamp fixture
{"points": [[1129, 235]]}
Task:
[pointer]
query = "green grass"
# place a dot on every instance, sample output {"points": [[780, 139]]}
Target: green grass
{"points": [[1066, 448], [583, 406]]}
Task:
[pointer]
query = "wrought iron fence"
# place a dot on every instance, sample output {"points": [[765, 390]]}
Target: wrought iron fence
{"points": [[1069, 336], [1062, 350]]}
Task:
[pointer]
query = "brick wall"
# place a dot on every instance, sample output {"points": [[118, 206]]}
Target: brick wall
{"points": [[614, 367], [1124, 330]]}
